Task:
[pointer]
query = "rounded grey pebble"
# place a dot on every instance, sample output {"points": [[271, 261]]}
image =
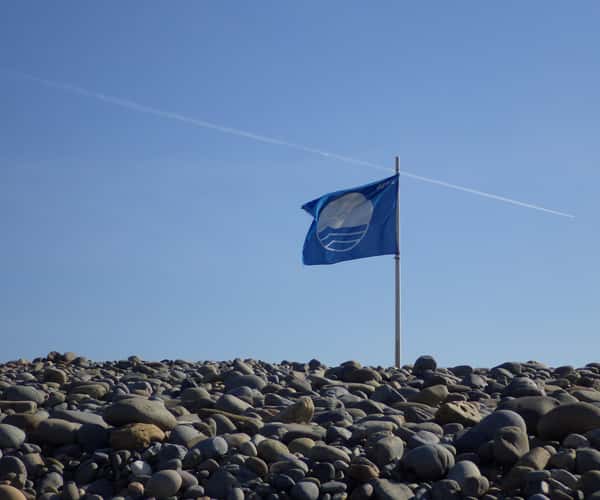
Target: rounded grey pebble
{"points": [[164, 484], [236, 494], [429, 462], [305, 490], [11, 436]]}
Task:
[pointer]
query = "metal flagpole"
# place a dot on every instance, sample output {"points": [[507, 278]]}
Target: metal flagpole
{"points": [[397, 262]]}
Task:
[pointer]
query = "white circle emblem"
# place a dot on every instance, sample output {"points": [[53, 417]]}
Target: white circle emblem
{"points": [[344, 222]]}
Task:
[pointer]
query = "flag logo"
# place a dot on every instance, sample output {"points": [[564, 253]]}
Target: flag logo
{"points": [[352, 223], [344, 222]]}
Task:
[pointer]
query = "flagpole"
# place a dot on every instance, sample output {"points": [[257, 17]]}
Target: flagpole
{"points": [[397, 262]]}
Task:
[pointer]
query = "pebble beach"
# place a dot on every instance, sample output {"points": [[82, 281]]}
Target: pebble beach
{"points": [[74, 428]]}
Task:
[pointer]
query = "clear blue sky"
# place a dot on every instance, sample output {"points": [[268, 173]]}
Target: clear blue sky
{"points": [[127, 233]]}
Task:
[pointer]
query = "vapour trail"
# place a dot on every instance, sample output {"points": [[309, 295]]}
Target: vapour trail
{"points": [[134, 106]]}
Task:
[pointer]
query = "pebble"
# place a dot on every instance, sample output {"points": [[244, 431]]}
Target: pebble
{"points": [[163, 484], [9, 493], [300, 412], [575, 441], [363, 470], [446, 489], [587, 459], [14, 470], [424, 363], [213, 447], [135, 436], [462, 471], [531, 408], [11, 436], [461, 412], [510, 444], [232, 404], [139, 410], [385, 489], [56, 431], [569, 419], [140, 468], [323, 452], [272, 450], [220, 484], [24, 393], [249, 429], [305, 490], [486, 429], [428, 462], [590, 482], [385, 450]]}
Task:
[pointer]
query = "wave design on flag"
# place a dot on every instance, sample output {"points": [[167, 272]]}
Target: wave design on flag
{"points": [[342, 239]]}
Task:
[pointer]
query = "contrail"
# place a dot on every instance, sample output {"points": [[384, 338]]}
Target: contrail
{"points": [[134, 106]]}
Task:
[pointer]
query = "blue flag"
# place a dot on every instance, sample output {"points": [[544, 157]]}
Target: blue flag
{"points": [[353, 223]]}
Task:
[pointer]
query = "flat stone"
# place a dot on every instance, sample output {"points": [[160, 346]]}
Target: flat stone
{"points": [[515, 478], [326, 453], [242, 422], [576, 441], [252, 381], [56, 375], [135, 436], [531, 408], [587, 396], [24, 393], [79, 417], [432, 396], [56, 431], [563, 460], [139, 410], [568, 419], [232, 404], [19, 406], [522, 386], [93, 390], [461, 412]]}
